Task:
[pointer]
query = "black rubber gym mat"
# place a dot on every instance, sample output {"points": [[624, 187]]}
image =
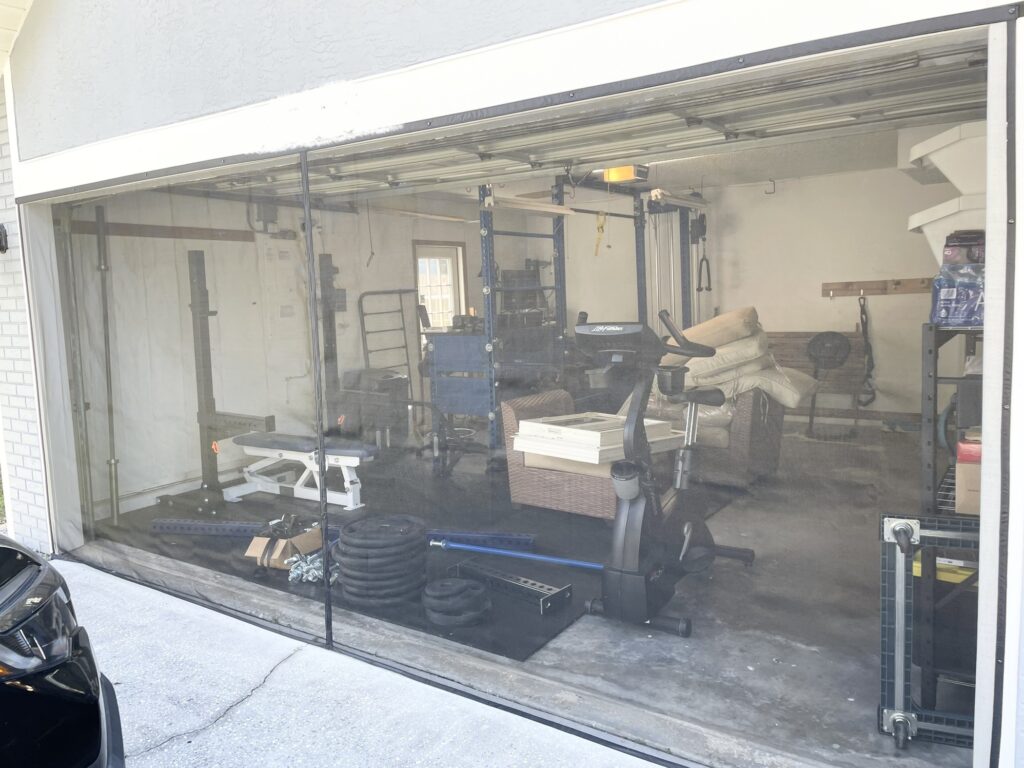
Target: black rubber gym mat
{"points": [[470, 500]]}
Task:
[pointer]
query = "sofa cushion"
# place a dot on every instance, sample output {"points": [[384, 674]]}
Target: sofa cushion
{"points": [[658, 407], [720, 330], [728, 357], [712, 437], [715, 378], [786, 386]]}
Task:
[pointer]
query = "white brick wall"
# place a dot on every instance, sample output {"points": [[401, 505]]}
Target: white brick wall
{"points": [[22, 456]]}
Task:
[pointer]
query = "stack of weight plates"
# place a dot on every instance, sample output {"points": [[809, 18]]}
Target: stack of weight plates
{"points": [[383, 561], [455, 602]]}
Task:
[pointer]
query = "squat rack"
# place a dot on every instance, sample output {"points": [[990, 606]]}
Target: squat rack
{"points": [[639, 233], [491, 288], [488, 234]]}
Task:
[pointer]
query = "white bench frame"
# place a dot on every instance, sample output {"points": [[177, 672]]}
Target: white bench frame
{"points": [[307, 486]]}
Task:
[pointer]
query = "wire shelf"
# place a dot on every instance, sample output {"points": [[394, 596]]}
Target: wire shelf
{"points": [[945, 496]]}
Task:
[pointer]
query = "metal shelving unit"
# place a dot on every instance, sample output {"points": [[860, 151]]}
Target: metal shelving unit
{"points": [[933, 472], [903, 539], [912, 602]]}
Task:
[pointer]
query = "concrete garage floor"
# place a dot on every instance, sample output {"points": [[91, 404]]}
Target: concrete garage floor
{"points": [[785, 653], [782, 669], [199, 688]]}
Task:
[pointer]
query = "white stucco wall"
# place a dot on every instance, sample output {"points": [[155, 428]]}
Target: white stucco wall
{"points": [[152, 54]]}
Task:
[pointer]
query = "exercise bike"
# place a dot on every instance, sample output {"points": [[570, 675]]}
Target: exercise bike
{"points": [[656, 539]]}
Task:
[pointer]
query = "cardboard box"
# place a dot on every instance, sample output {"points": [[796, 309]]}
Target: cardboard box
{"points": [[281, 549], [968, 478]]}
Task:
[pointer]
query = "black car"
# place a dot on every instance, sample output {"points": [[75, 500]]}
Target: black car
{"points": [[56, 709]]}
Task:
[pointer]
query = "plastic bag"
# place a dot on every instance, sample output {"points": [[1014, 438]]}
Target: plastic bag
{"points": [[958, 296]]}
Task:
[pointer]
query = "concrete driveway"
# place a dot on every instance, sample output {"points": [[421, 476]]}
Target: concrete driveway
{"points": [[198, 688]]}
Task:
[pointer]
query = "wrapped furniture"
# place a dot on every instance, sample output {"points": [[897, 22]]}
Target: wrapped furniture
{"points": [[551, 489], [754, 438]]}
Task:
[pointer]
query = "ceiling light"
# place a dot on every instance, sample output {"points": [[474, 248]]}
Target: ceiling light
{"points": [[625, 173]]}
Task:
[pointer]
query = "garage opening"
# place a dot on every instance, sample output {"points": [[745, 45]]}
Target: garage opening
{"points": [[657, 414]]}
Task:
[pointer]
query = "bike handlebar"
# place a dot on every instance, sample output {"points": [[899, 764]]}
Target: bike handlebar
{"points": [[685, 347]]}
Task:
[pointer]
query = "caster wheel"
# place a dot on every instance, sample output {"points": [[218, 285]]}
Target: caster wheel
{"points": [[901, 734]]}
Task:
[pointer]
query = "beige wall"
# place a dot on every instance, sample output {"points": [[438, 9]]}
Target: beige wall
{"points": [[774, 251]]}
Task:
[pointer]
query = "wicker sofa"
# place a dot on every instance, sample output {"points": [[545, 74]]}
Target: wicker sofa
{"points": [[755, 437], [753, 452]]}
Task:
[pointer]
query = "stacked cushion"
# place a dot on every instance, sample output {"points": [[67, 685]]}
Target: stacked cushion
{"points": [[787, 386], [741, 363], [728, 357], [718, 331]]}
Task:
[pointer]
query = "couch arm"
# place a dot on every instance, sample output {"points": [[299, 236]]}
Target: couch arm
{"points": [[755, 435]]}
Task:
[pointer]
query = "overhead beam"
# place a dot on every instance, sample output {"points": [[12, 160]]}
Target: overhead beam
{"points": [[123, 229], [242, 197], [485, 154], [715, 125]]}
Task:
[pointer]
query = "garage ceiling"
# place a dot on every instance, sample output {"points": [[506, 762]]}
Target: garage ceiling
{"points": [[12, 15], [856, 98], [753, 164]]}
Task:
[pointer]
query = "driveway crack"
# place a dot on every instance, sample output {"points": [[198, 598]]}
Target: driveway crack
{"points": [[227, 710]]}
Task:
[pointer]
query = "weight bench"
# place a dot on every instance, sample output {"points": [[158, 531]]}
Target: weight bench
{"points": [[277, 447]]}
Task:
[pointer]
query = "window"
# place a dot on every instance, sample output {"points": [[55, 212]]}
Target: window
{"points": [[439, 281]]}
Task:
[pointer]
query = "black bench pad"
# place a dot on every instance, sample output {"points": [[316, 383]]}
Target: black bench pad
{"points": [[334, 446]]}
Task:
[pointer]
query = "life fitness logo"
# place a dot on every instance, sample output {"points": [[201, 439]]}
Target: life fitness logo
{"points": [[608, 329]]}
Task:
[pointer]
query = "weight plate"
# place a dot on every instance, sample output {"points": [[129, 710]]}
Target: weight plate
{"points": [[459, 620], [471, 600], [361, 572], [358, 601], [378, 563], [406, 561], [447, 587], [375, 592], [383, 532], [407, 581], [407, 548]]}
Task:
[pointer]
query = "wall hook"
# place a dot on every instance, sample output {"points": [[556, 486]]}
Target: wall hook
{"points": [[772, 190]]}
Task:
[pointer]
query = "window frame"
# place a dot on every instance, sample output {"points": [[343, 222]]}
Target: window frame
{"points": [[460, 272]]}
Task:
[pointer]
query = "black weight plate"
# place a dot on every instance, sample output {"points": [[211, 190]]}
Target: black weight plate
{"points": [[378, 577], [361, 571], [390, 553], [471, 600], [408, 580], [368, 556], [458, 620], [374, 592], [381, 552], [447, 587], [378, 560], [404, 563], [358, 601], [389, 531]]}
